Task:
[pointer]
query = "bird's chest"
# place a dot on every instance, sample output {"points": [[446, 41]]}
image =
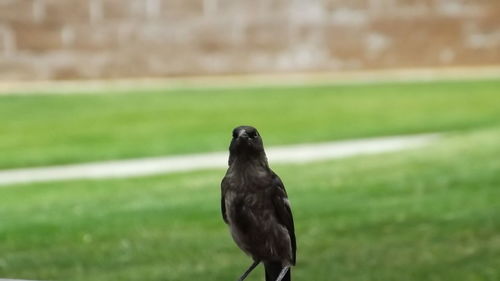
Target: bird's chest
{"points": [[246, 200], [248, 214], [246, 194]]}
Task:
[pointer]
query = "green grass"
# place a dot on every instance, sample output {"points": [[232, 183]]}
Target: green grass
{"points": [[426, 214], [55, 129]]}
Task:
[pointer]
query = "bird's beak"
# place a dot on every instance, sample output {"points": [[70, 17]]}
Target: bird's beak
{"points": [[242, 134]]}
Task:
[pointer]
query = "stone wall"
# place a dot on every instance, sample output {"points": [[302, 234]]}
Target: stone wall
{"points": [[66, 39]]}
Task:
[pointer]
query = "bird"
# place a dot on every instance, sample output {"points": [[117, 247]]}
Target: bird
{"points": [[255, 206]]}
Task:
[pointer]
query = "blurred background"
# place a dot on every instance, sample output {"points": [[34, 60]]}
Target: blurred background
{"points": [[53, 39], [98, 81]]}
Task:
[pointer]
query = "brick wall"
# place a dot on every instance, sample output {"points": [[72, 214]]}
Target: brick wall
{"points": [[65, 39]]}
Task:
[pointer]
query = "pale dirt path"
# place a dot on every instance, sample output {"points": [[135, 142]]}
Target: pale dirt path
{"points": [[161, 165], [249, 80]]}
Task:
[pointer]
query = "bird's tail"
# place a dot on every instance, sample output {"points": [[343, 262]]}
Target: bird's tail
{"points": [[273, 270]]}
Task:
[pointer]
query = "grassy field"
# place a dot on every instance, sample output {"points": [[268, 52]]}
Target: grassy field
{"points": [[426, 214], [57, 129]]}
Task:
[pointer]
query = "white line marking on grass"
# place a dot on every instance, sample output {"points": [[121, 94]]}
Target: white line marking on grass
{"points": [[160, 165], [15, 280]]}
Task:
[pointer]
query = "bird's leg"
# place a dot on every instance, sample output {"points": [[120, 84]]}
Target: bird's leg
{"points": [[283, 273], [252, 267]]}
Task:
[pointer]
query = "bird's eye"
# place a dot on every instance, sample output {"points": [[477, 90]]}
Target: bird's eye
{"points": [[252, 134], [235, 134]]}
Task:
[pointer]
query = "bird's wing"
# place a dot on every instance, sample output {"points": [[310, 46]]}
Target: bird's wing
{"points": [[224, 184], [283, 211]]}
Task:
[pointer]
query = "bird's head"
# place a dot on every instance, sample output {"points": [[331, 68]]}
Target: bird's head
{"points": [[246, 143]]}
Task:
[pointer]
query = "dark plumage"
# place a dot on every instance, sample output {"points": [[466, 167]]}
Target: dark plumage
{"points": [[255, 206]]}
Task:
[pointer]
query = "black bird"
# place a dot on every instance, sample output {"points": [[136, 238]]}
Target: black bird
{"points": [[255, 206]]}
